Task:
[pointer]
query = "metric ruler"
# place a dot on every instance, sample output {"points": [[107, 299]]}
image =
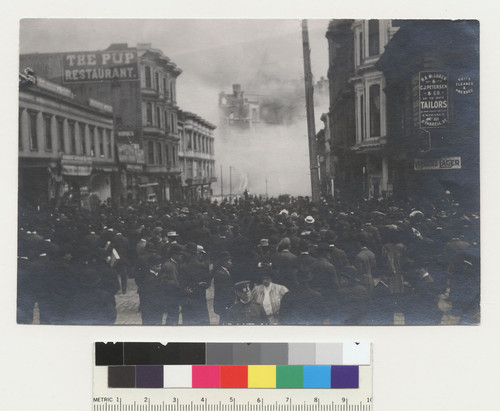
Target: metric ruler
{"points": [[201, 377]]}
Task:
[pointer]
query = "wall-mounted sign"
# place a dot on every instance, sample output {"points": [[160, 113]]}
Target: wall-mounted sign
{"points": [[444, 163], [71, 170], [130, 154], [77, 160], [464, 85], [433, 99], [100, 66]]}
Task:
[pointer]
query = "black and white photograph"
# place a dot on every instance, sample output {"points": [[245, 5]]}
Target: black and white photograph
{"points": [[248, 172]]}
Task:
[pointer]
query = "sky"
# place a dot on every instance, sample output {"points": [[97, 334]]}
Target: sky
{"points": [[263, 55]]}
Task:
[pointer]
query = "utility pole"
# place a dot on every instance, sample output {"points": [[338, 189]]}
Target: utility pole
{"points": [[311, 128], [230, 184], [221, 185]]}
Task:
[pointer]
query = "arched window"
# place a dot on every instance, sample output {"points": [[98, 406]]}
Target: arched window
{"points": [[147, 71], [375, 110], [149, 114], [158, 116]]}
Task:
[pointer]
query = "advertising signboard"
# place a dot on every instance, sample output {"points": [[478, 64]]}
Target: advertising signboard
{"points": [[100, 66], [444, 163], [433, 99]]}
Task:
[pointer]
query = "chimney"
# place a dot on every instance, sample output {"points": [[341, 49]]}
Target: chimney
{"points": [[236, 89]]}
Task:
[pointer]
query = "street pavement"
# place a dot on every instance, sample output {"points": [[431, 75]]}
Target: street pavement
{"points": [[128, 308]]}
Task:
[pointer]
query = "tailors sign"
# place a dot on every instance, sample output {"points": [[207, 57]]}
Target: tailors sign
{"points": [[433, 98], [100, 66]]}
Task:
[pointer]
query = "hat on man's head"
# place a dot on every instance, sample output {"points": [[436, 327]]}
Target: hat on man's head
{"points": [[240, 285], [191, 248], [264, 242], [172, 234], [322, 246], [175, 249], [309, 219]]}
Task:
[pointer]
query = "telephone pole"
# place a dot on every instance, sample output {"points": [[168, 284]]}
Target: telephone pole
{"points": [[221, 185], [311, 127]]}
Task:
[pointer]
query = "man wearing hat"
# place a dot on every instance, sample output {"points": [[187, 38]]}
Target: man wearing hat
{"points": [[170, 282], [195, 279], [150, 289], [245, 311], [324, 276], [223, 285]]}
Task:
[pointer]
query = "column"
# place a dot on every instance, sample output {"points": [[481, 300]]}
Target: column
{"points": [[24, 130], [385, 174]]}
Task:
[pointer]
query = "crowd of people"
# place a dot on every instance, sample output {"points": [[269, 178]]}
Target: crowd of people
{"points": [[266, 261]]}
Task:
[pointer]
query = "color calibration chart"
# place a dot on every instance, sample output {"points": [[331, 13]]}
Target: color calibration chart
{"points": [[181, 376]]}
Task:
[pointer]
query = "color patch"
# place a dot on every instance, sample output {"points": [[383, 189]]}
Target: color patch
{"points": [[274, 353], [108, 353], [356, 353], [329, 354], [121, 377], [302, 354], [261, 376], [161, 354], [246, 354], [219, 354], [317, 376], [345, 376], [289, 376], [206, 376], [177, 376], [149, 376], [234, 376]]}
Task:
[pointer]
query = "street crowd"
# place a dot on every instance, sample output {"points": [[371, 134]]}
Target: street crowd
{"points": [[281, 260]]}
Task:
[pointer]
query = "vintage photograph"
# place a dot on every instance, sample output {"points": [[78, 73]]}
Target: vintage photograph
{"points": [[248, 172]]}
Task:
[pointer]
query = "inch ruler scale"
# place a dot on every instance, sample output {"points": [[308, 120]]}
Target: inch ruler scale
{"points": [[201, 377]]}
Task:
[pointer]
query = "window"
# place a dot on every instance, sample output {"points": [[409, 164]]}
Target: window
{"points": [[172, 123], [47, 125], [157, 82], [360, 47], [110, 147], [175, 155], [151, 153], [92, 142], [160, 156], [100, 139], [147, 71], [165, 120], [158, 116], [373, 38], [167, 154], [360, 115], [83, 142], [190, 141], [149, 114], [195, 138], [33, 130], [165, 86], [60, 134], [375, 110], [72, 137], [172, 91]]}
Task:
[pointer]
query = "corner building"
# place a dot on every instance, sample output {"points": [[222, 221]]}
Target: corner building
{"points": [[140, 84], [66, 147]]}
